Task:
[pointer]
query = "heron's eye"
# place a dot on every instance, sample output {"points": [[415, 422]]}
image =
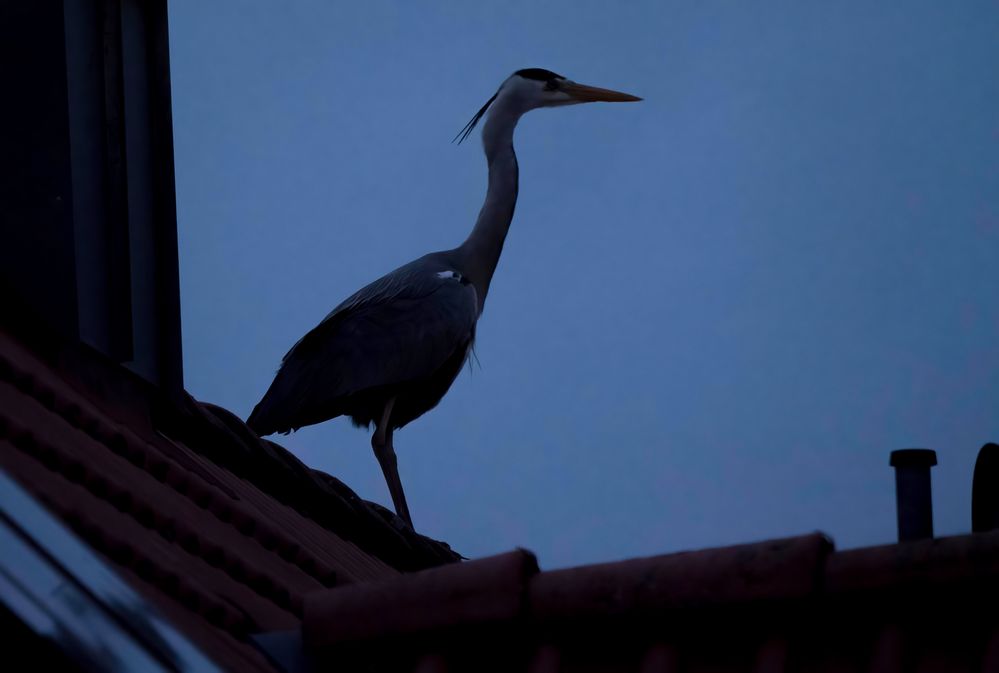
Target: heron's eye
{"points": [[551, 85]]}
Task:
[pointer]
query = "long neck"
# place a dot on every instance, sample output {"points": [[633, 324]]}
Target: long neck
{"points": [[481, 250]]}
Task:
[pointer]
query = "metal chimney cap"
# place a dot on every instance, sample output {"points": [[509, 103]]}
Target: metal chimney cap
{"points": [[913, 458]]}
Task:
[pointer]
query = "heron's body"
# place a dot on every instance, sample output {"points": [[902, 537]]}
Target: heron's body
{"points": [[390, 352], [404, 336]]}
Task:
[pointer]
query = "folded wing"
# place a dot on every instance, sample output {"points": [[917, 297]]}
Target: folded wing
{"points": [[400, 329]]}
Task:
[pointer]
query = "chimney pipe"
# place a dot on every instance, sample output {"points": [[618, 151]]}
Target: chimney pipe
{"points": [[913, 495]]}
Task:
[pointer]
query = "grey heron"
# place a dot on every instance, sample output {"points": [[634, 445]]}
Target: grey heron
{"points": [[390, 351]]}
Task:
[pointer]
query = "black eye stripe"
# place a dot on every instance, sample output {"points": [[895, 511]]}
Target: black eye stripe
{"points": [[550, 79], [539, 74]]}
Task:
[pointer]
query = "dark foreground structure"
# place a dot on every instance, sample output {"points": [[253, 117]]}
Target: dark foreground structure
{"points": [[142, 530], [257, 563]]}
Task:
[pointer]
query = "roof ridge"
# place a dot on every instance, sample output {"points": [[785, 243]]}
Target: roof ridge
{"points": [[220, 437], [146, 566], [314, 494], [139, 507], [191, 484]]}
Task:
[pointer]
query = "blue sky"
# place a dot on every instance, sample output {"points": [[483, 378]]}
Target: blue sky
{"points": [[717, 311]]}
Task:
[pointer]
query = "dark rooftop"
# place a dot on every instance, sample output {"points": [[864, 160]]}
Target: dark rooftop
{"points": [[234, 540], [225, 532]]}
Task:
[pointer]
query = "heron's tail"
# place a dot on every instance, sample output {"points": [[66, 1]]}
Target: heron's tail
{"points": [[283, 407], [263, 420], [257, 420]]}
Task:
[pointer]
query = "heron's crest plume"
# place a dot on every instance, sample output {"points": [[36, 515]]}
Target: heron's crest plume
{"points": [[470, 126]]}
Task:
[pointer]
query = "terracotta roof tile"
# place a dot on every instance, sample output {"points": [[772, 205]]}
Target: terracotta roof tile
{"points": [[199, 516], [773, 570], [208, 541], [469, 594], [946, 562], [781, 605], [229, 651], [229, 443], [231, 536]]}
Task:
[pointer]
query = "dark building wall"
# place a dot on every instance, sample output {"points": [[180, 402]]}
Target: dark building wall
{"points": [[88, 243], [36, 191]]}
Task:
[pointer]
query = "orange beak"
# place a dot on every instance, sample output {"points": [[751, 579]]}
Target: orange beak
{"points": [[592, 94]]}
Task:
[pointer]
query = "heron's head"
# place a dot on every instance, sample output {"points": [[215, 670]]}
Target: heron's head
{"points": [[533, 88]]}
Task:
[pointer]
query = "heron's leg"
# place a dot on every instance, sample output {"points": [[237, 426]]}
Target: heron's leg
{"points": [[381, 442]]}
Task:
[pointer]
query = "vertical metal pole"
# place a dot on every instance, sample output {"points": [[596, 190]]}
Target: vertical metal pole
{"points": [[913, 493]]}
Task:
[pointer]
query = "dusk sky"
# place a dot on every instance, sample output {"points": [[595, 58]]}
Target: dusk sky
{"points": [[717, 311]]}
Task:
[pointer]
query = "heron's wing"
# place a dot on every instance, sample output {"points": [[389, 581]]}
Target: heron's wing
{"points": [[400, 328]]}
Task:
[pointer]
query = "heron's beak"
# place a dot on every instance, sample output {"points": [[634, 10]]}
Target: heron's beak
{"points": [[592, 94]]}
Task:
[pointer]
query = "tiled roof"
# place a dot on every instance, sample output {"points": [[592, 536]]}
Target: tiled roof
{"points": [[226, 533], [231, 537], [781, 605]]}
